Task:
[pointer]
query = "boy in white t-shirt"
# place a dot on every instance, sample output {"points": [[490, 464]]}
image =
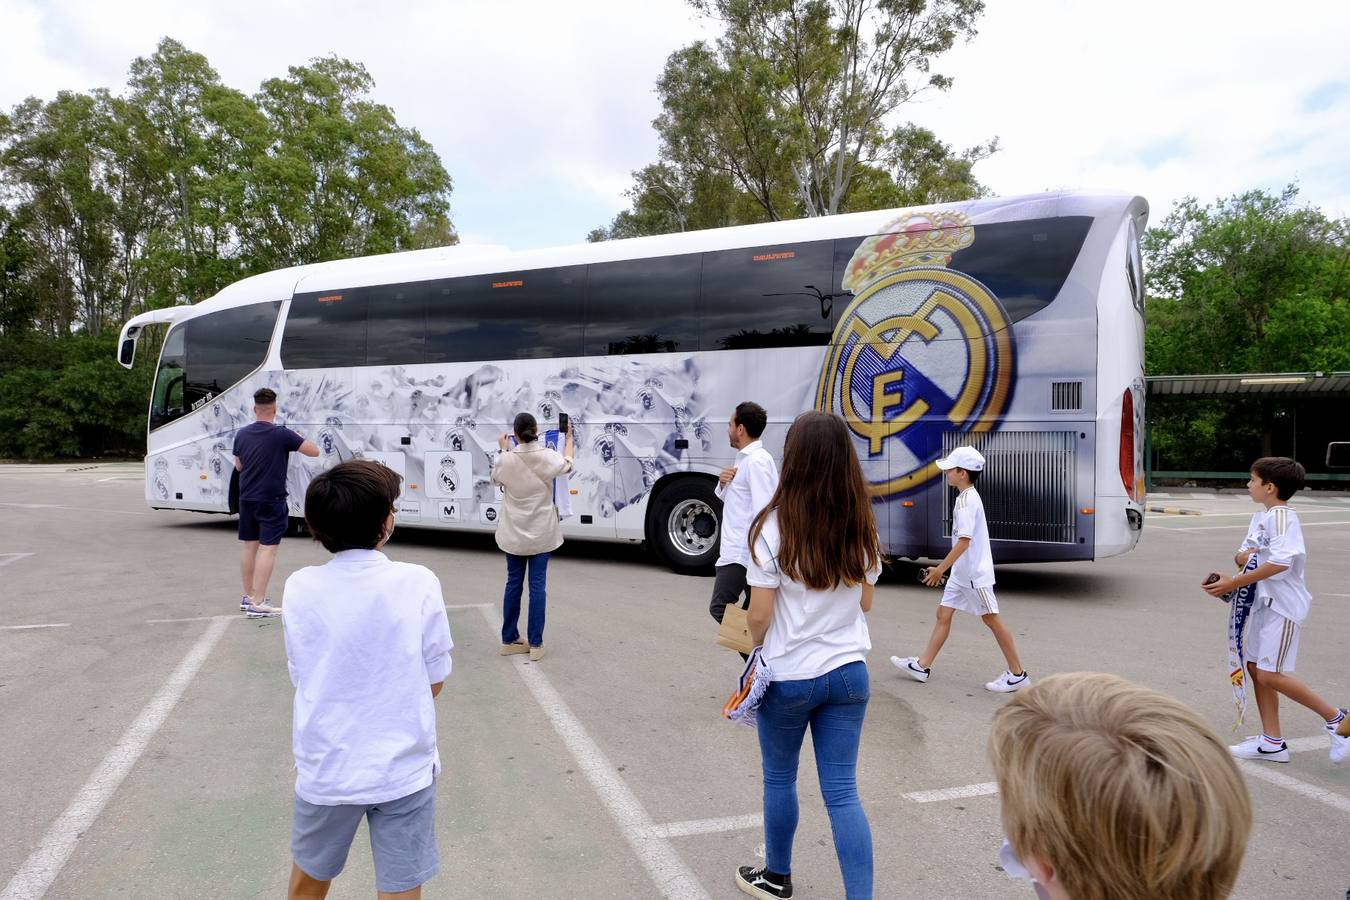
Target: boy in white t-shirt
{"points": [[1275, 537], [368, 647], [970, 588]]}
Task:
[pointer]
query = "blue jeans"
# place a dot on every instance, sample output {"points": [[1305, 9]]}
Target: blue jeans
{"points": [[515, 582], [833, 705]]}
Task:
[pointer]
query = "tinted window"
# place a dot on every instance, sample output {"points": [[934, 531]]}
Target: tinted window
{"points": [[166, 401], [1023, 263], [325, 329], [396, 326], [766, 297], [512, 315], [643, 306], [224, 347]]}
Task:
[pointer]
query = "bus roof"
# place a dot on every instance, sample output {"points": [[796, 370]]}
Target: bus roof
{"points": [[443, 262]]}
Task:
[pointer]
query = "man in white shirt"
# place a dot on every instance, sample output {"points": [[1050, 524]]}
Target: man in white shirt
{"points": [[745, 488]]}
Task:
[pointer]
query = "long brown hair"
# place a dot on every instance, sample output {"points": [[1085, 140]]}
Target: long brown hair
{"points": [[828, 531]]}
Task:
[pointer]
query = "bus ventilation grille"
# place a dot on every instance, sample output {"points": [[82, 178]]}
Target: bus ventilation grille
{"points": [[1027, 486], [1066, 396]]}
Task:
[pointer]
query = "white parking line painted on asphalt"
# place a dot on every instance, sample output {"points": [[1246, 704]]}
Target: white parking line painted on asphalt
{"points": [[192, 619], [79, 509], [41, 868], [672, 878], [1296, 745], [1263, 771], [27, 627], [955, 793], [470, 605], [7, 558], [709, 826], [1238, 526]]}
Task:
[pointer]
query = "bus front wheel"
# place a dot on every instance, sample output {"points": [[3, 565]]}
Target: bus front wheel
{"points": [[686, 526]]}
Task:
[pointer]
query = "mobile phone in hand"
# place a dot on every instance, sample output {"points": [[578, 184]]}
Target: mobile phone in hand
{"points": [[563, 423]]}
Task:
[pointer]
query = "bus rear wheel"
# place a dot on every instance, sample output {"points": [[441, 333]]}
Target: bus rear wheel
{"points": [[685, 527]]}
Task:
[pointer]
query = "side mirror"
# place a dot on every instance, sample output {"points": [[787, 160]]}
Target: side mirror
{"points": [[127, 354], [1338, 455]]}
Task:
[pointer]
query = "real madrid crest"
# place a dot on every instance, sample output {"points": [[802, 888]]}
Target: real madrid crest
{"points": [[921, 350]]}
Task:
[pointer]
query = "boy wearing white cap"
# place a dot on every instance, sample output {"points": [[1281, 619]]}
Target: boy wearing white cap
{"points": [[971, 585]]}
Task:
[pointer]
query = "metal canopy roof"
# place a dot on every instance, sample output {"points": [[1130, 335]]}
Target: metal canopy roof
{"points": [[1320, 384]]}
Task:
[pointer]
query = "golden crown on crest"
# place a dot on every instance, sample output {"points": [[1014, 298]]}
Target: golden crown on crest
{"points": [[914, 239]]}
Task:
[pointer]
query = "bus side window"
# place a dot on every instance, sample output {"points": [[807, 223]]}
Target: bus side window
{"points": [[642, 306], [509, 315], [325, 329], [396, 325], [167, 397], [778, 296]]}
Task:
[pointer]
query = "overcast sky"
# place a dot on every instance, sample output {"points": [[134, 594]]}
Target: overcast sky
{"points": [[540, 110]]}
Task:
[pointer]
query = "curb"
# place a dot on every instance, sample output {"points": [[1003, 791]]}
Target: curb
{"points": [[1174, 510]]}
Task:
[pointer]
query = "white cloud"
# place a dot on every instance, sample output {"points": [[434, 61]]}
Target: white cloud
{"points": [[541, 110]]}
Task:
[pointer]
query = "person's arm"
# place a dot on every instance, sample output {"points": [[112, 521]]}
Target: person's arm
{"points": [[1230, 584], [308, 448], [763, 483], [436, 642], [868, 590], [760, 613], [936, 572], [436, 689], [724, 479], [238, 464]]}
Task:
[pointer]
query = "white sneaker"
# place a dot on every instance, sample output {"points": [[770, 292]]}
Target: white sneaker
{"points": [[1008, 682], [910, 666], [1340, 747], [262, 611], [1252, 749]]}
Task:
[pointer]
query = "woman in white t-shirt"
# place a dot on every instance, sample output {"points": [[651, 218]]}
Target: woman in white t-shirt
{"points": [[814, 561]]}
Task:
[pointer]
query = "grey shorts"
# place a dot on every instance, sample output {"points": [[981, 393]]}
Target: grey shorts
{"points": [[402, 839]]}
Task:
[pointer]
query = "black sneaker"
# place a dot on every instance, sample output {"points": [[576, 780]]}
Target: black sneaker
{"points": [[761, 882]]}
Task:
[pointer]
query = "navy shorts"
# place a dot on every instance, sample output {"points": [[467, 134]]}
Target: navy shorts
{"points": [[264, 521], [402, 839]]}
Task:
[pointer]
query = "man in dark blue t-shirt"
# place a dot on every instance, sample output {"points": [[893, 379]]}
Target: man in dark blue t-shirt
{"points": [[261, 454]]}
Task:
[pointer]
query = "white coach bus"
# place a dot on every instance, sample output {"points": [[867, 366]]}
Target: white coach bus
{"points": [[1013, 324]]}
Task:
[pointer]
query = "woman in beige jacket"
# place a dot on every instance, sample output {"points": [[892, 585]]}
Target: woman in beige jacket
{"points": [[529, 529]]}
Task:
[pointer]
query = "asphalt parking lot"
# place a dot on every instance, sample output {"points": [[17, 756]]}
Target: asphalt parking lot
{"points": [[145, 747]]}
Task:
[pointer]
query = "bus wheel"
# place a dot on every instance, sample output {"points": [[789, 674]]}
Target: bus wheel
{"points": [[686, 524]]}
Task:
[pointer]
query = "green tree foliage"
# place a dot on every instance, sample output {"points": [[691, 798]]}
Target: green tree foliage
{"points": [[113, 204], [1251, 283], [788, 114]]}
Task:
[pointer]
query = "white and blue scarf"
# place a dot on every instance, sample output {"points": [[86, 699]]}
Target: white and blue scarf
{"points": [[1240, 604]]}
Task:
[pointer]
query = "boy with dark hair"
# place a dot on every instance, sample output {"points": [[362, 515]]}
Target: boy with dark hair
{"points": [[1275, 538], [970, 588], [368, 648], [261, 453]]}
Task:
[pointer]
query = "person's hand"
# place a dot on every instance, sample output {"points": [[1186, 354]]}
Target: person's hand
{"points": [[933, 577], [1220, 587], [726, 476], [504, 441]]}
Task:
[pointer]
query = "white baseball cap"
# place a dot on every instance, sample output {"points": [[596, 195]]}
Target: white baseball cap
{"points": [[967, 458]]}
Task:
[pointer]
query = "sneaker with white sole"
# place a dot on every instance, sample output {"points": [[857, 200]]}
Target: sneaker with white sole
{"points": [[1251, 749], [1340, 740], [261, 611], [243, 603], [1008, 682], [910, 666], [760, 882]]}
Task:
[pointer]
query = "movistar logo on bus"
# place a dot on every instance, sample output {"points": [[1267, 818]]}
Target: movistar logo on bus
{"points": [[922, 349]]}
